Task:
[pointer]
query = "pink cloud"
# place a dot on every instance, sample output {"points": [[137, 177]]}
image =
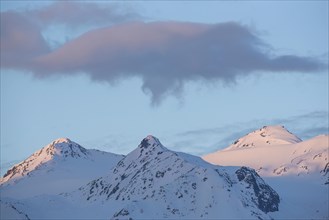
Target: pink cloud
{"points": [[21, 40], [165, 55], [75, 13]]}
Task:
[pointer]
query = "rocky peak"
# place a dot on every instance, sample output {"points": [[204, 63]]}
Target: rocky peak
{"points": [[64, 147], [150, 146], [277, 131], [148, 150], [61, 140], [150, 141]]}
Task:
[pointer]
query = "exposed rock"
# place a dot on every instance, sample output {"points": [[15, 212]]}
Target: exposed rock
{"points": [[265, 198]]}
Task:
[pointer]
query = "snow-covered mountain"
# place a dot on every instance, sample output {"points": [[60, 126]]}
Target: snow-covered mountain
{"points": [[180, 185], [62, 165], [266, 136], [274, 151], [155, 182], [298, 170]]}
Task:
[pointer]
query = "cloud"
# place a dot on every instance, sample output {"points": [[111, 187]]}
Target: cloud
{"points": [[207, 140], [74, 13], [204, 141], [21, 41], [315, 131], [165, 55], [307, 125]]}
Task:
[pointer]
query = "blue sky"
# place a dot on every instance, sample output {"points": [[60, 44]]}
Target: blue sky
{"points": [[196, 110]]}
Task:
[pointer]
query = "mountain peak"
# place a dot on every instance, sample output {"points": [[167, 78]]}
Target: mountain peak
{"points": [[149, 146], [149, 149], [59, 149], [274, 128], [265, 136], [64, 147], [150, 140], [61, 140], [278, 132]]}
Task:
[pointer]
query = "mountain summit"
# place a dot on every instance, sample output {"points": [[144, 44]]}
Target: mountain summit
{"points": [[151, 143], [265, 136], [64, 147], [59, 166], [57, 150], [62, 140]]}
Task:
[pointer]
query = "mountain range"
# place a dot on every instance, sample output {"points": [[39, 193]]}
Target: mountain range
{"points": [[248, 179]]}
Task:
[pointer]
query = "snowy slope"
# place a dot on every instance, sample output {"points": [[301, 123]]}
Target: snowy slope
{"points": [[298, 170], [154, 182], [9, 211], [62, 165]]}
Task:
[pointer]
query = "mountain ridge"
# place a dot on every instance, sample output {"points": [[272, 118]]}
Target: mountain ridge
{"points": [[177, 185], [155, 182]]}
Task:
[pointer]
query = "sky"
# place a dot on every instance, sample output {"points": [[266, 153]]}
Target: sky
{"points": [[195, 74]]}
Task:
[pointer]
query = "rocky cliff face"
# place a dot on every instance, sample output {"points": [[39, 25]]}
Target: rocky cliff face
{"points": [[263, 195]]}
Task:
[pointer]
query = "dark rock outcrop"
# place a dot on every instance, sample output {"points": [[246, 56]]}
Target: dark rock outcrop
{"points": [[265, 197]]}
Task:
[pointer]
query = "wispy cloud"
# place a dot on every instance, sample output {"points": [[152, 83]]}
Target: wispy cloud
{"points": [[307, 125], [165, 55], [203, 141], [76, 13]]}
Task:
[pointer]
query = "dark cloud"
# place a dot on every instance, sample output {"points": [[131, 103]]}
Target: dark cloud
{"points": [[165, 55]]}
